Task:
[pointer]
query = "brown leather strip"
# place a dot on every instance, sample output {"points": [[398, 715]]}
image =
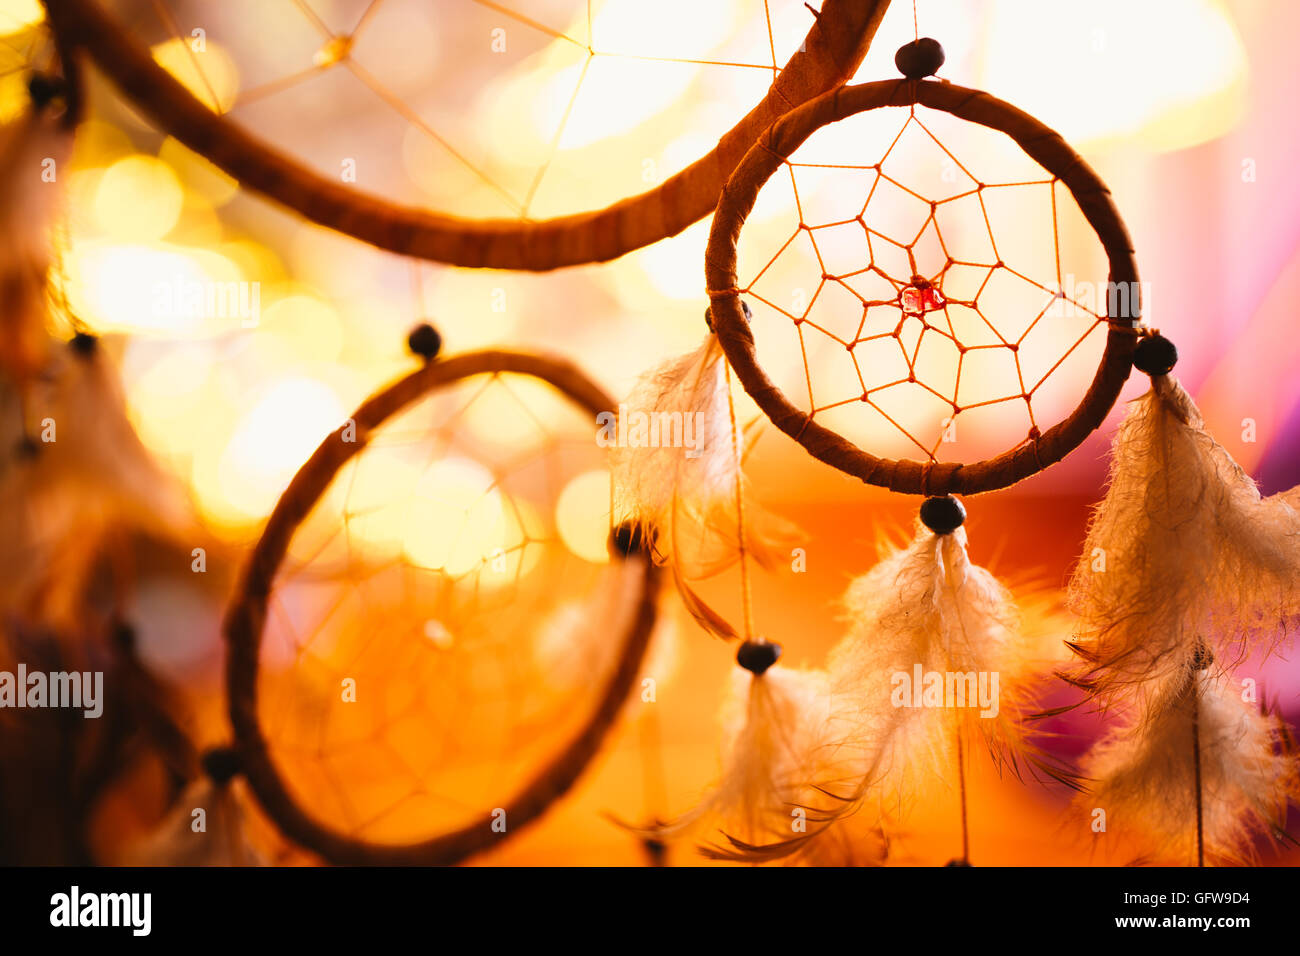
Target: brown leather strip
{"points": [[246, 618], [831, 52]]}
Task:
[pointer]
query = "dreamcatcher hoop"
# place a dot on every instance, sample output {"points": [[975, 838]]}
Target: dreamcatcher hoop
{"points": [[828, 57], [1040, 143], [246, 619]]}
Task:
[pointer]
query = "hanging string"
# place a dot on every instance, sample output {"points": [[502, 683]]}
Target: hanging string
{"points": [[961, 786], [741, 544]]}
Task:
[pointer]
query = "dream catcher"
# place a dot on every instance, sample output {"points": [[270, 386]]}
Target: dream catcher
{"points": [[910, 279], [451, 534], [935, 328], [844, 740], [1196, 766], [344, 63]]}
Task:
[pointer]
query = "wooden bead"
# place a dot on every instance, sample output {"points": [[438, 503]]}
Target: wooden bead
{"points": [[221, 764], [943, 515], [424, 341], [757, 656], [84, 344], [44, 89], [920, 58], [627, 539], [1155, 355], [744, 307]]}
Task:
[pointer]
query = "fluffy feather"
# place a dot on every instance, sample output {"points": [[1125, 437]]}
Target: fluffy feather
{"points": [[1190, 549], [927, 604], [689, 500], [222, 842], [770, 802], [1144, 771]]}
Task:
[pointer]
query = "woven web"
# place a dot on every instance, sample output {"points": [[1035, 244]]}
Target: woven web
{"points": [[315, 58], [922, 313], [433, 574]]}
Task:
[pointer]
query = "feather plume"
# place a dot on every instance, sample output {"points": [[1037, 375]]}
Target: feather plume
{"points": [[222, 841], [1145, 770], [677, 476], [927, 608], [769, 803], [1190, 548]]}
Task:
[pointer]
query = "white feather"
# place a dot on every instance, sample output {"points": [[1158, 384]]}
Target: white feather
{"points": [[1190, 548], [927, 605], [770, 802], [1145, 780], [222, 841], [685, 498]]}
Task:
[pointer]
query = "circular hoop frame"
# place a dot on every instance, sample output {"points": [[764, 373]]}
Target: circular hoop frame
{"points": [[246, 620], [828, 57], [1044, 146]]}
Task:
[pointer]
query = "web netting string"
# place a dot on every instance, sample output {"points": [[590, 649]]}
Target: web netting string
{"points": [[447, 636], [909, 288], [335, 53]]}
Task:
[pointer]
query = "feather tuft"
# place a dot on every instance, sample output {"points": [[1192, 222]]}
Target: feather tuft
{"points": [[1190, 548], [1145, 771], [678, 478]]}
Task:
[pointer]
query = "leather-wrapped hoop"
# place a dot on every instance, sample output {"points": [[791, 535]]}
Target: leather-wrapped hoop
{"points": [[246, 619], [836, 42], [1043, 145]]}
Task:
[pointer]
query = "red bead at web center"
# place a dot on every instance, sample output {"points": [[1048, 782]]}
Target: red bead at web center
{"points": [[920, 296]]}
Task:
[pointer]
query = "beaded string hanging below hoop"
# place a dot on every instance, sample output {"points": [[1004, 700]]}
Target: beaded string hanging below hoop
{"points": [[921, 299], [254, 611]]}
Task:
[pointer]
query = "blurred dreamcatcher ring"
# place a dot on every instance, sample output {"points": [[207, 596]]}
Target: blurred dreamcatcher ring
{"points": [[830, 54], [246, 620], [1041, 144]]}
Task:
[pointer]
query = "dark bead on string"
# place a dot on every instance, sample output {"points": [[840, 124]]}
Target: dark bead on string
{"points": [[708, 314], [122, 636], [958, 863], [943, 515], [84, 344], [221, 764], [627, 539], [1155, 355], [920, 58], [45, 89], [424, 341], [757, 656], [1202, 657], [27, 448]]}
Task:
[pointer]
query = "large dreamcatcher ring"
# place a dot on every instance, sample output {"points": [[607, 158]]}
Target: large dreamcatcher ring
{"points": [[394, 601], [832, 50], [920, 297]]}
